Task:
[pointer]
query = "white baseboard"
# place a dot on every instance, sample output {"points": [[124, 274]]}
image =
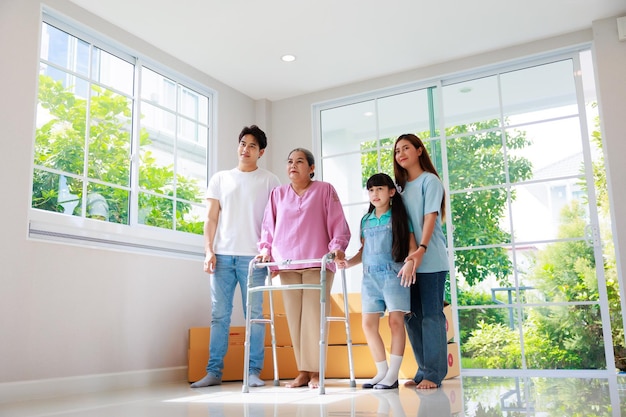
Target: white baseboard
{"points": [[59, 387]]}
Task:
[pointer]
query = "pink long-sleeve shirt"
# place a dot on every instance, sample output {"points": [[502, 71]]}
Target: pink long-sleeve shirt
{"points": [[304, 227]]}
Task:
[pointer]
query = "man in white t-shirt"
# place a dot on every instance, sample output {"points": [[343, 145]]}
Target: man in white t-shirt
{"points": [[236, 200]]}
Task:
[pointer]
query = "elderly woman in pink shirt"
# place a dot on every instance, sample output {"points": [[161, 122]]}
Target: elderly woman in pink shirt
{"points": [[303, 220]]}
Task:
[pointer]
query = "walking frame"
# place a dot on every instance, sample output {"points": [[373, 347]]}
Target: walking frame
{"points": [[324, 319]]}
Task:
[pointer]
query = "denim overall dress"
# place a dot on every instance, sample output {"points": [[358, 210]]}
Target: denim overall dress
{"points": [[380, 288]]}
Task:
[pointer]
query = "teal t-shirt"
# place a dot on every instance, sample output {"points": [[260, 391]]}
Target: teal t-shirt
{"points": [[370, 220], [423, 196]]}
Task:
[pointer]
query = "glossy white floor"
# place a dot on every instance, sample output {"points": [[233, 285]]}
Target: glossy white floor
{"points": [[476, 396]]}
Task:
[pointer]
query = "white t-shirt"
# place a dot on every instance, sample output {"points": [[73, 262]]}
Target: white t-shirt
{"points": [[243, 197]]}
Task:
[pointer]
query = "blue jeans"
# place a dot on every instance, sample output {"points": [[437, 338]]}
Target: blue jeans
{"points": [[230, 271], [426, 327]]}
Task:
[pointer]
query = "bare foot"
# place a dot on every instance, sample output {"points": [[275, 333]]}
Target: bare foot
{"points": [[410, 383], [314, 383], [301, 380], [426, 384]]}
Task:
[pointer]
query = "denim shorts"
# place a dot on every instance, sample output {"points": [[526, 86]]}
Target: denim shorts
{"points": [[381, 290]]}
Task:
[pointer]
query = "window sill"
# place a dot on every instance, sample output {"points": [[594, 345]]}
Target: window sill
{"points": [[61, 228]]}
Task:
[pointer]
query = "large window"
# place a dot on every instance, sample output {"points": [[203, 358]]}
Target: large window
{"points": [[516, 151], [120, 152]]}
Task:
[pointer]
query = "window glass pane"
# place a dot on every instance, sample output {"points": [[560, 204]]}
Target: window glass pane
{"points": [[558, 272], [57, 193], [188, 129], [549, 210], [483, 270], [345, 128], [476, 160], [467, 105], [156, 211], [110, 137], [157, 89], [190, 218], [113, 71], [491, 339], [406, 113], [191, 163], [376, 161], [552, 149], [482, 214], [193, 105], [64, 50], [555, 339], [157, 121], [527, 93], [347, 188], [107, 203]]}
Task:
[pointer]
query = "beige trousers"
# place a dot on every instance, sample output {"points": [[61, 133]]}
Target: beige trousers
{"points": [[303, 315]]}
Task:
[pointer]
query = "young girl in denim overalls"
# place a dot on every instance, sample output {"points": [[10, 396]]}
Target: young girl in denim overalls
{"points": [[387, 239]]}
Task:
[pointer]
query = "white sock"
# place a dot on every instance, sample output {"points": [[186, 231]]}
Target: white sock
{"points": [[381, 371], [391, 376]]}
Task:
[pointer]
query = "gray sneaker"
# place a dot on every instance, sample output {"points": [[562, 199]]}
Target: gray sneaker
{"points": [[207, 381]]}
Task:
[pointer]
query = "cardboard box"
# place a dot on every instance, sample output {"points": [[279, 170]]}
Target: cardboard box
{"points": [[337, 331], [287, 368], [338, 303], [198, 353], [450, 329], [281, 330], [409, 365], [337, 365], [277, 298], [233, 363], [199, 336]]}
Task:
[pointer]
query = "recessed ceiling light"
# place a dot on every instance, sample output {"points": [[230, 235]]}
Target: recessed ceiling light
{"points": [[288, 58], [368, 114]]}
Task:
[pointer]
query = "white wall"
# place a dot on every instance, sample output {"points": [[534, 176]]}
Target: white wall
{"points": [[80, 314], [69, 311]]}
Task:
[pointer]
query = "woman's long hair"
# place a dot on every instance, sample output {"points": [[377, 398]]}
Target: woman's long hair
{"points": [[399, 217], [402, 175]]}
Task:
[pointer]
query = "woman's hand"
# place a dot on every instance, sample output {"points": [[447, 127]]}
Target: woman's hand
{"points": [[416, 257], [264, 256]]}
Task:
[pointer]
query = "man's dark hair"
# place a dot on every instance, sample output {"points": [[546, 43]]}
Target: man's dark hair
{"points": [[258, 134]]}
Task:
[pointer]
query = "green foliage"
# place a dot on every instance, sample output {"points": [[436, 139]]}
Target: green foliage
{"points": [[468, 318], [60, 146], [494, 346]]}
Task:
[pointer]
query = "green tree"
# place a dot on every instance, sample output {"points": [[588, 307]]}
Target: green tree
{"points": [[60, 151]]}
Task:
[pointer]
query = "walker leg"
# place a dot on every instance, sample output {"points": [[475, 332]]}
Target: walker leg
{"points": [[348, 333]]}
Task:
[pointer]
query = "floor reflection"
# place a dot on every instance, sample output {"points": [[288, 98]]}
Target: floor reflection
{"points": [[468, 396]]}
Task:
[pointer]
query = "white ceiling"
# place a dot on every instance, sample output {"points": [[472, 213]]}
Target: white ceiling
{"points": [[336, 42]]}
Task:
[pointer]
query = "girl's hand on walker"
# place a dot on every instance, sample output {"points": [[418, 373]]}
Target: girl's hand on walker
{"points": [[342, 264]]}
